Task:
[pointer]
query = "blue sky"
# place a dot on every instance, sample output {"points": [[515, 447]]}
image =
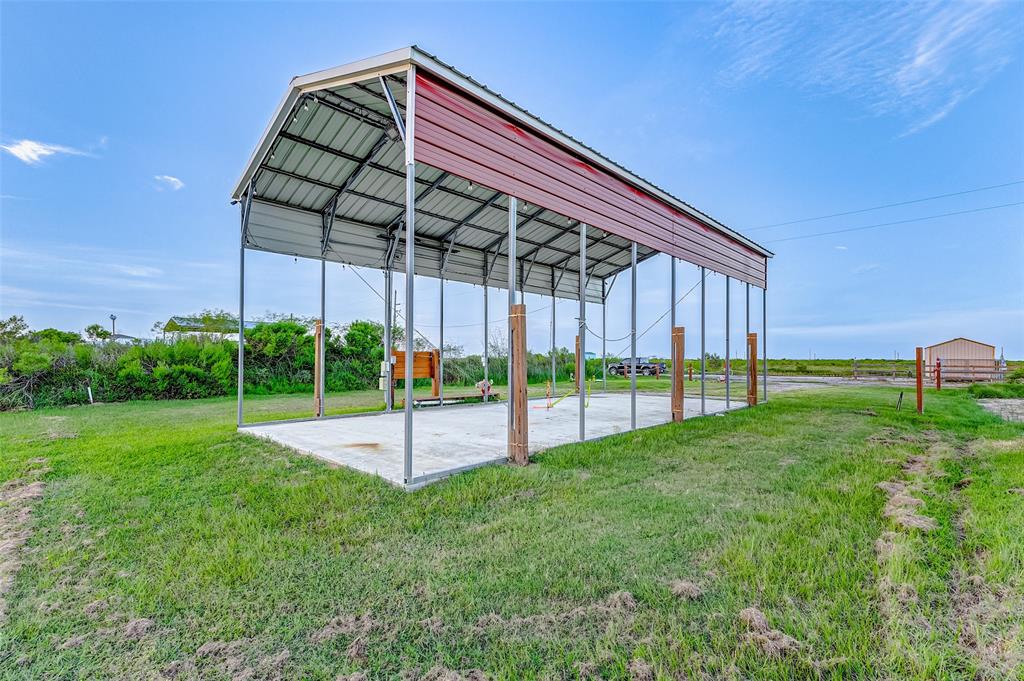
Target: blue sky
{"points": [[125, 126]]}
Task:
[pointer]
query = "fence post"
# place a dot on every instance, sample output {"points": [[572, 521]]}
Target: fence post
{"points": [[518, 435], [678, 355], [938, 373], [920, 380]]}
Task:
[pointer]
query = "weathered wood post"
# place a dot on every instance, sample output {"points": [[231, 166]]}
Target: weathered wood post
{"points": [[678, 373], [938, 373], [751, 369], [518, 434], [435, 373], [920, 380]]}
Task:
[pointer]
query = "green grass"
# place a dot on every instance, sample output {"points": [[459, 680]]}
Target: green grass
{"points": [[998, 390], [161, 510]]}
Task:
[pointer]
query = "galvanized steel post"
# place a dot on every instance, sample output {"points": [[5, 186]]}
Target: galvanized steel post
{"points": [[604, 336], [246, 208], [323, 338], [581, 380], [747, 335], [440, 352], [672, 318], [728, 371], [511, 302], [764, 337], [410, 260], [702, 351], [632, 337], [554, 379], [487, 359], [388, 396]]}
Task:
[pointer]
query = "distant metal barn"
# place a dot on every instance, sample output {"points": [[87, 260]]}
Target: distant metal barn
{"points": [[401, 163], [963, 359]]}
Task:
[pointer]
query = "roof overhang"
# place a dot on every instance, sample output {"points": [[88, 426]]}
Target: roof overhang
{"points": [[323, 148]]}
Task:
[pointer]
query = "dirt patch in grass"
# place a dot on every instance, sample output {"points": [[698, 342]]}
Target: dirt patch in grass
{"points": [[232, 659], [57, 428], [616, 608], [686, 590], [900, 507], [344, 625], [434, 625], [137, 628], [17, 499], [771, 642], [441, 673], [640, 670]]}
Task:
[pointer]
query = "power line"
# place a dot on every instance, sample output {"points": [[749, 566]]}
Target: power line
{"points": [[895, 222], [887, 205]]}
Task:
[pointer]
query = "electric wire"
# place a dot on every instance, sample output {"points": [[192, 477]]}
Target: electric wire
{"points": [[886, 205], [894, 222]]}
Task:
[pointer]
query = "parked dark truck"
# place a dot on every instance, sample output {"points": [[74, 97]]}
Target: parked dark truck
{"points": [[644, 367]]}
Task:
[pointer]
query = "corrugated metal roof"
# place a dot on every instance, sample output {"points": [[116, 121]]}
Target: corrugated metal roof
{"points": [[341, 141]]}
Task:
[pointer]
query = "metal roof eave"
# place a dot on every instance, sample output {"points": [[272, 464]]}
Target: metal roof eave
{"points": [[401, 59]]}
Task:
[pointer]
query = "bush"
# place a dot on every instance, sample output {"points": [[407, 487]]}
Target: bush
{"points": [[55, 368]]}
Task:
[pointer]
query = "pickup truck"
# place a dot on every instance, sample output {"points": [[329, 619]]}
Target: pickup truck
{"points": [[644, 366]]}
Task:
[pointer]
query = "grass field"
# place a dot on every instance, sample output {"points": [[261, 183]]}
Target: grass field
{"points": [[756, 545]]}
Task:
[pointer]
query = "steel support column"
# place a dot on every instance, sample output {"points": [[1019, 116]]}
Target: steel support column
{"points": [[511, 302], [554, 351], [764, 337], [604, 336], [581, 380], [323, 338], [410, 260], [440, 352], [632, 338], [746, 334], [702, 351], [728, 374], [246, 209], [388, 394], [487, 357], [672, 317]]}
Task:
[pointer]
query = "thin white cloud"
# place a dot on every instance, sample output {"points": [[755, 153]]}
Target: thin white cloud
{"points": [[33, 152], [168, 182], [865, 268], [841, 248], [138, 270], [915, 61]]}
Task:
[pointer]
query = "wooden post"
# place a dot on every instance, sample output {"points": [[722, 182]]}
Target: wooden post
{"points": [[518, 435], [435, 373], [318, 362], [938, 373], [752, 369], [920, 381], [691, 371], [678, 362], [579, 366]]}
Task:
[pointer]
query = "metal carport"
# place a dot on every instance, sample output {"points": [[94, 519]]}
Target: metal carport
{"points": [[400, 162]]}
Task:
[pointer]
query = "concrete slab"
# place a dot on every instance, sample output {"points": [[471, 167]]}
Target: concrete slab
{"points": [[453, 438]]}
